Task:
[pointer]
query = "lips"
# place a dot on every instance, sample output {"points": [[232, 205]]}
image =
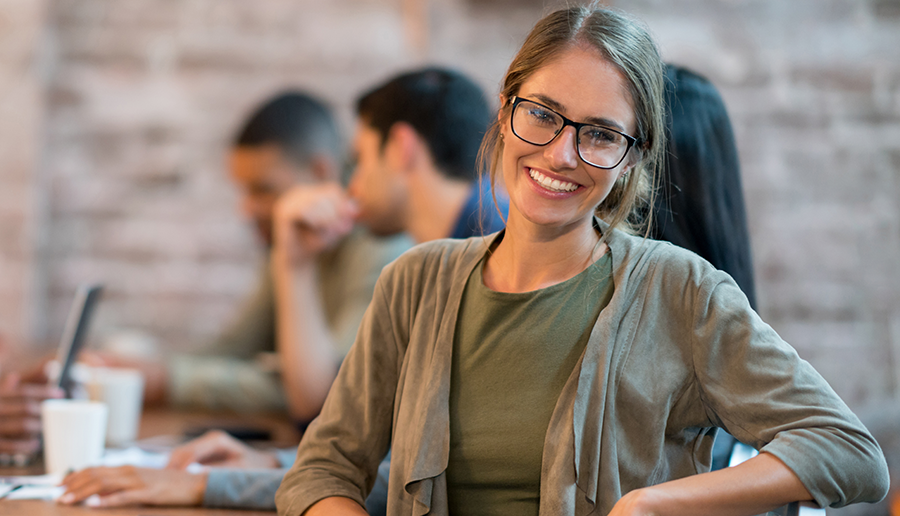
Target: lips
{"points": [[553, 185]]}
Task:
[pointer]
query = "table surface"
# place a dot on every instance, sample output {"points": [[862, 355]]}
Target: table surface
{"points": [[164, 425], [46, 508]]}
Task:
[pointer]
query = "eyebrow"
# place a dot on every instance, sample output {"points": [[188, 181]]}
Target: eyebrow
{"points": [[594, 120]]}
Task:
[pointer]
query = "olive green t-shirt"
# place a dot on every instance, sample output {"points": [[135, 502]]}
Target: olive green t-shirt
{"points": [[512, 354]]}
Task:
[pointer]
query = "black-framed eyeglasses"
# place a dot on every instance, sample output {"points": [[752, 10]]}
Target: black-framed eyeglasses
{"points": [[597, 145]]}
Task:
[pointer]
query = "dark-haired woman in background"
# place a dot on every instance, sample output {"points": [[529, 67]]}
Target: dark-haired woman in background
{"points": [[700, 204]]}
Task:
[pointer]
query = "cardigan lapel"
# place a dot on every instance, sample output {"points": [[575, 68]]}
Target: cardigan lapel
{"points": [[426, 457], [575, 445]]}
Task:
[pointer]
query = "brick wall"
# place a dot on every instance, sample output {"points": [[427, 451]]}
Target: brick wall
{"points": [[142, 97], [22, 27]]}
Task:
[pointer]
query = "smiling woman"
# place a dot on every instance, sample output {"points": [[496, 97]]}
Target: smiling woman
{"points": [[566, 365]]}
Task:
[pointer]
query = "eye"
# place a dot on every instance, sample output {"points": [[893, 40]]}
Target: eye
{"points": [[600, 136], [538, 115]]}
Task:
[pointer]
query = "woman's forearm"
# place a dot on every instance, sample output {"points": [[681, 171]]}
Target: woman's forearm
{"points": [[335, 506], [752, 487]]}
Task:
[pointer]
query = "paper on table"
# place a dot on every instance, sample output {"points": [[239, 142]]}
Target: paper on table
{"points": [[36, 493], [35, 487]]}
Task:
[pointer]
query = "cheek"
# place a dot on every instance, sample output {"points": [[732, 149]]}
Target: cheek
{"points": [[508, 159]]}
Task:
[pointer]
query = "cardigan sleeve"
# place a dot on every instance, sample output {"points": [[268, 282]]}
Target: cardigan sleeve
{"points": [[757, 387], [340, 452]]}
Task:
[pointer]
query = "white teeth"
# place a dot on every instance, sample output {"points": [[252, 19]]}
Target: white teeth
{"points": [[552, 184]]}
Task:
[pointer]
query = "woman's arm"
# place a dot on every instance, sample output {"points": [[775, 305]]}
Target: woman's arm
{"points": [[752, 487], [755, 385]]}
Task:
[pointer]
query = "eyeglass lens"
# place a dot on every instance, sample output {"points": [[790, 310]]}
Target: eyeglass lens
{"points": [[597, 145]]}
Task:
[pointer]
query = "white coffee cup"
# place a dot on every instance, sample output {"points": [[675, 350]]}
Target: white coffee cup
{"points": [[74, 431], [122, 390]]}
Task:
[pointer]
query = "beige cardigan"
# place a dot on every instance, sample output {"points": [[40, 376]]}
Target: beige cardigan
{"points": [[677, 352]]}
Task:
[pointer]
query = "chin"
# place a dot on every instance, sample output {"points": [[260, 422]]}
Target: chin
{"points": [[550, 218], [376, 227]]}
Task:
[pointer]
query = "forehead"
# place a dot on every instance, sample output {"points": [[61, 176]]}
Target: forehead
{"points": [[365, 136], [257, 165], [583, 86]]}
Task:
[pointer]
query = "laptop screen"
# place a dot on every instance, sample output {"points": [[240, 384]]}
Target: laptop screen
{"points": [[75, 331]]}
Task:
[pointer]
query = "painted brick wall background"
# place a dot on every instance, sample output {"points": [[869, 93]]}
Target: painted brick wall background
{"points": [[22, 32], [117, 116]]}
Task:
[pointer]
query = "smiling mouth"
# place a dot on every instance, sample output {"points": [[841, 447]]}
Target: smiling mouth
{"points": [[554, 185]]}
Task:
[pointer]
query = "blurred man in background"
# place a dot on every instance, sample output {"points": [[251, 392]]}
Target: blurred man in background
{"points": [[290, 140]]}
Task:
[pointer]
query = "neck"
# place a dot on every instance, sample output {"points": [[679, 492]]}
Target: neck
{"points": [[436, 202], [531, 257]]}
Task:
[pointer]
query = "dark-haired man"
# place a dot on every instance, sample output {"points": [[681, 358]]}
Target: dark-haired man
{"points": [[416, 147]]}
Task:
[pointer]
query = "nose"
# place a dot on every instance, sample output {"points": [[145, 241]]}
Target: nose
{"points": [[562, 152]]}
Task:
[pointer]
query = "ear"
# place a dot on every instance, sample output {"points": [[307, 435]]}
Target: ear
{"points": [[502, 119], [626, 169], [635, 155], [403, 147], [503, 101], [324, 168]]}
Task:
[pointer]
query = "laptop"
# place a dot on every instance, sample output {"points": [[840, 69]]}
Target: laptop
{"points": [[74, 333]]}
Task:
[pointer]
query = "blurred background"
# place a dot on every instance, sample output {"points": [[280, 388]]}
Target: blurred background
{"points": [[115, 118]]}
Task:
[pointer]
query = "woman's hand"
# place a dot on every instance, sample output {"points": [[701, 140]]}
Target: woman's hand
{"points": [[128, 485], [217, 448], [640, 502]]}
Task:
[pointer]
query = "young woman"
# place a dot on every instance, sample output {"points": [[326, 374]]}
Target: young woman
{"points": [[564, 366]]}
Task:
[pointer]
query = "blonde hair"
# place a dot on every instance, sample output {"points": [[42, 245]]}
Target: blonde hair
{"points": [[626, 44]]}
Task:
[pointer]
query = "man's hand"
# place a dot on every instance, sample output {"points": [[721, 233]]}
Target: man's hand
{"points": [[217, 448], [128, 485], [20, 414], [309, 219]]}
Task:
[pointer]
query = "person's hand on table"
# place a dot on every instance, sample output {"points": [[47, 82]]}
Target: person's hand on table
{"points": [[129, 485], [217, 448], [20, 414]]}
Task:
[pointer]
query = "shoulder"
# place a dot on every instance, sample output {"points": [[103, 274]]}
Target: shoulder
{"points": [[660, 269], [438, 260]]}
